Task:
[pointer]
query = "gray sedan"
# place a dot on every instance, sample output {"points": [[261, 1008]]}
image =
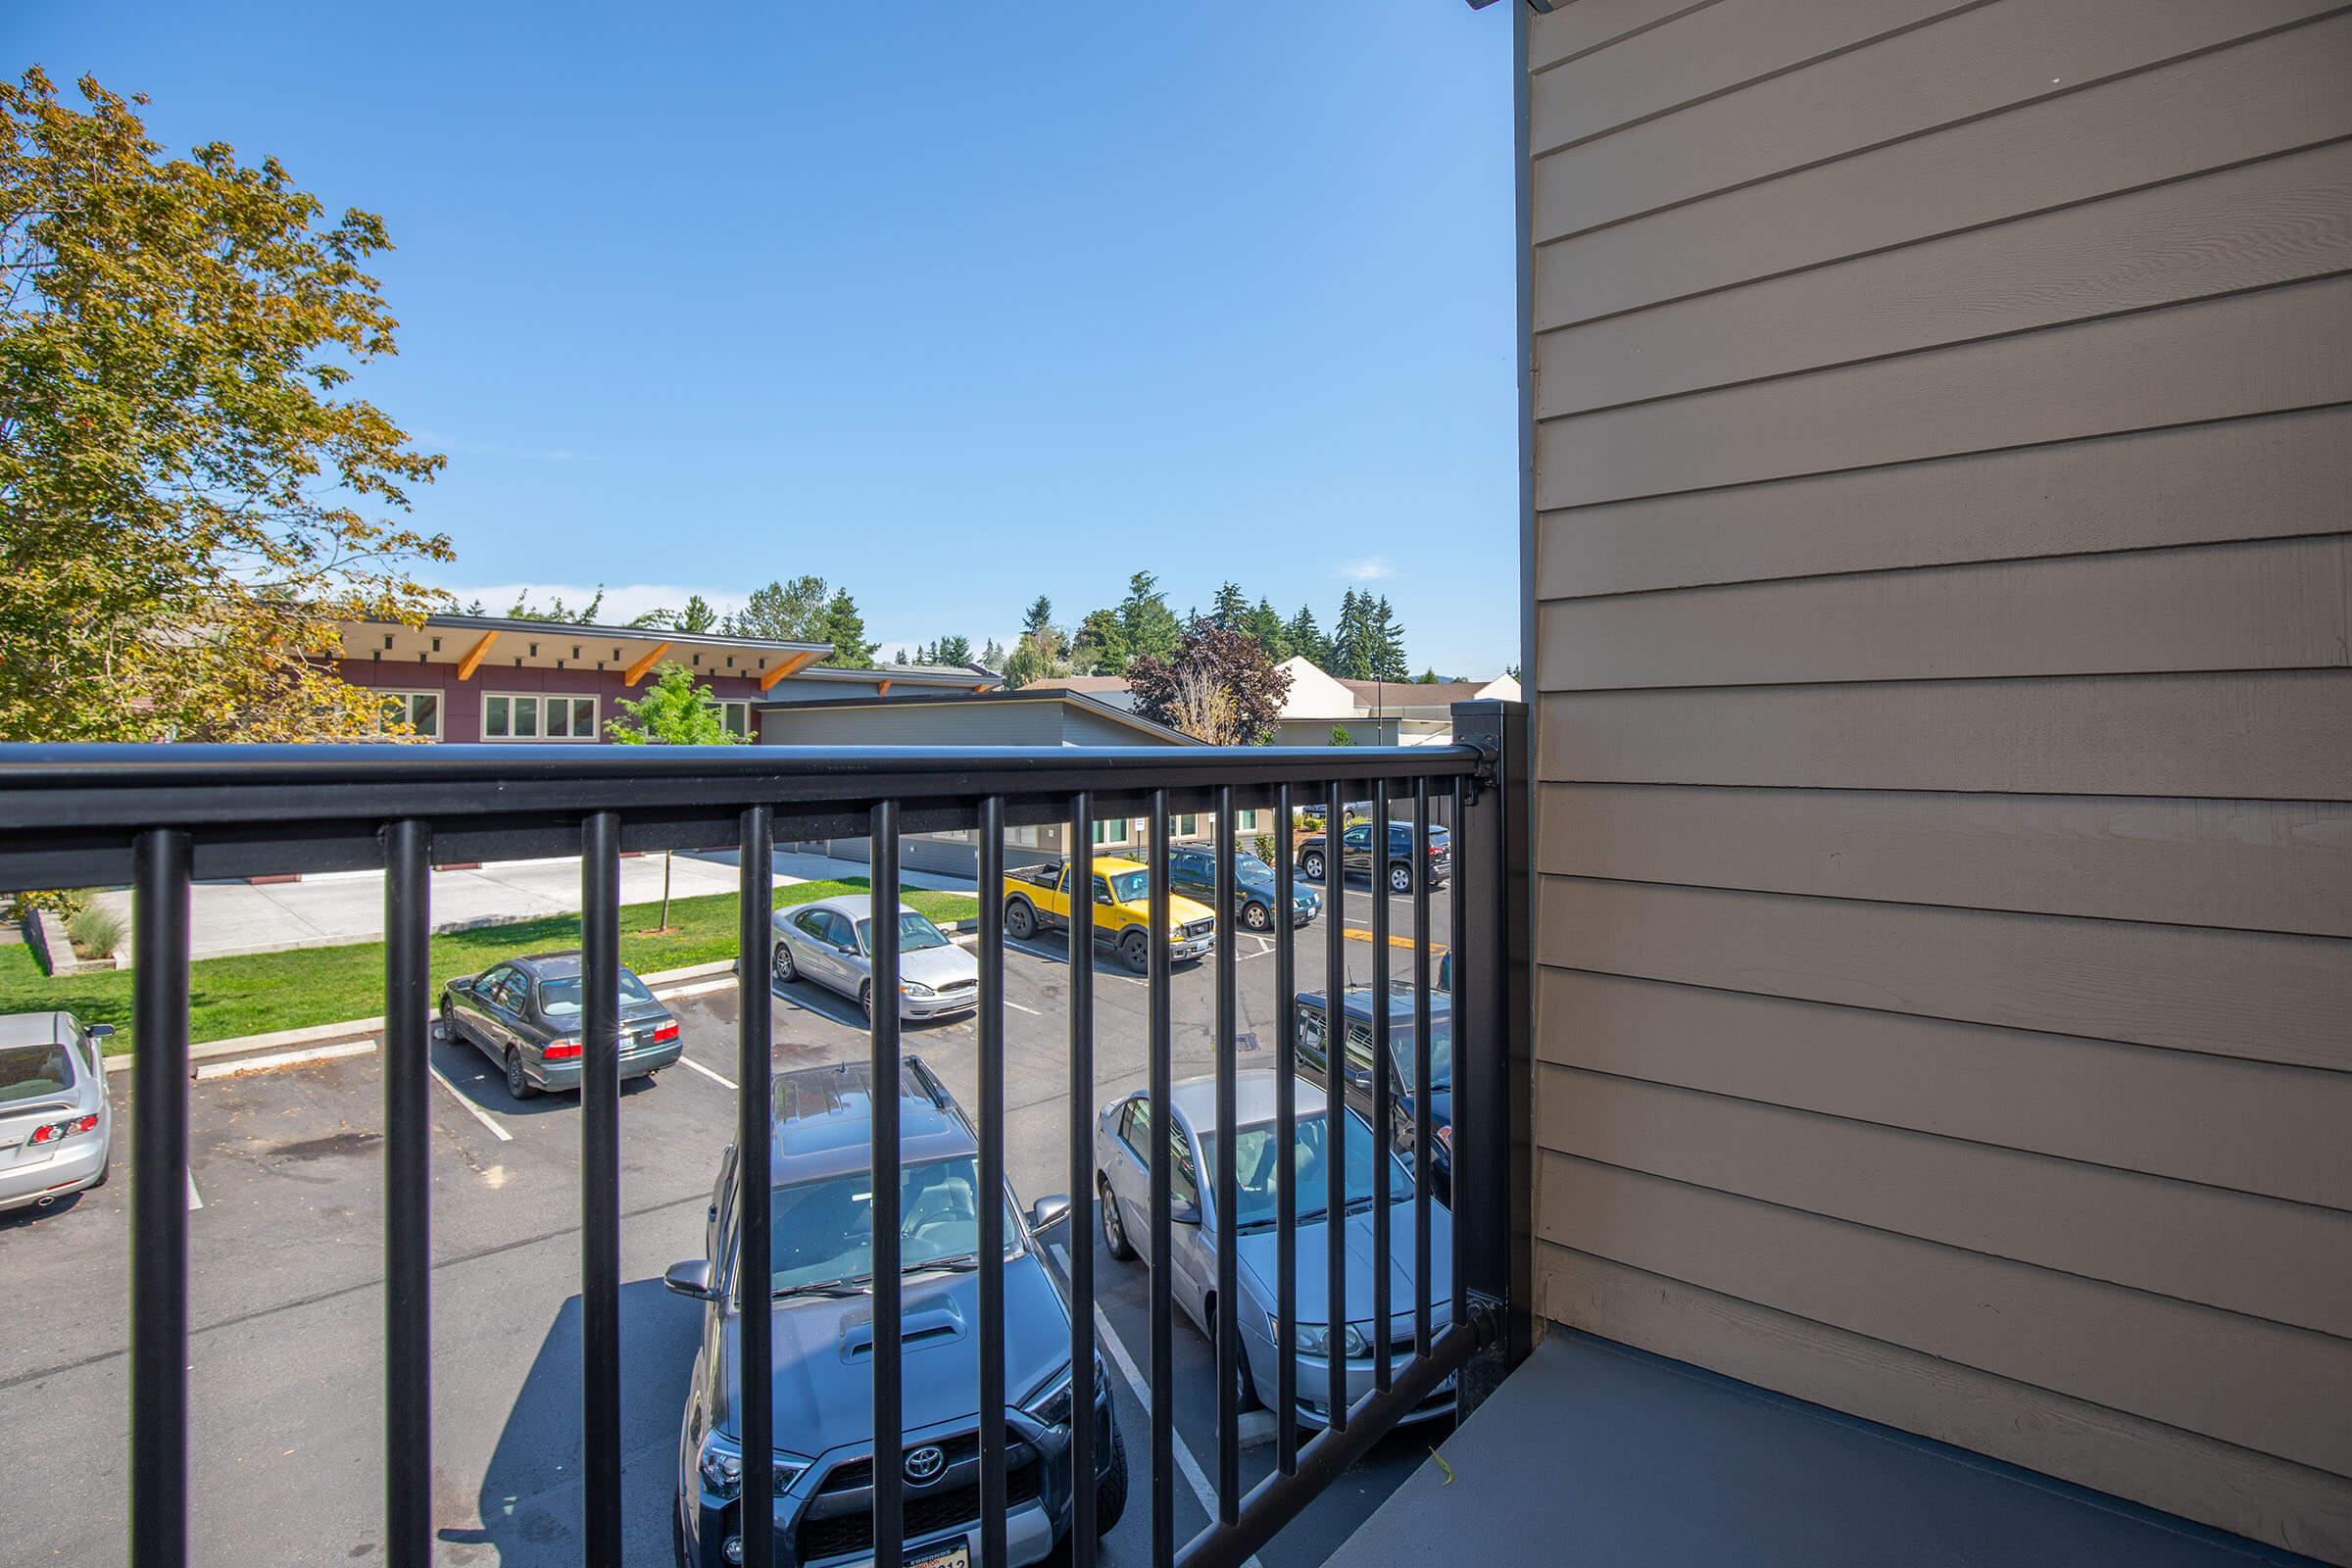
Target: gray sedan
{"points": [[1122, 1139], [526, 1015], [831, 942], [56, 1126]]}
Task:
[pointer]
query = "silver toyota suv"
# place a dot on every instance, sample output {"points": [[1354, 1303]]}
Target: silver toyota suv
{"points": [[822, 1310]]}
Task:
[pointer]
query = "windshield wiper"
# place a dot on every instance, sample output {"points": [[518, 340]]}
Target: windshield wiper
{"points": [[961, 1264], [835, 1288]]}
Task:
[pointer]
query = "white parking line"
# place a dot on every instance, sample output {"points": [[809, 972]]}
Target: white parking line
{"points": [[477, 1111], [1018, 1007], [1109, 1337], [194, 1201], [284, 1059], [690, 1062]]}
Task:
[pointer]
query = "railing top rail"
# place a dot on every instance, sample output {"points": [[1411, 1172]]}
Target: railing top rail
{"points": [[68, 811]]}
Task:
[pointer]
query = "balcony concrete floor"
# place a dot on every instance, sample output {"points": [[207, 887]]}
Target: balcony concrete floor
{"points": [[1601, 1457]]}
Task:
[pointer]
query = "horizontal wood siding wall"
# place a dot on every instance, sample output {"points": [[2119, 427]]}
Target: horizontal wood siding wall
{"points": [[1942, 680]]}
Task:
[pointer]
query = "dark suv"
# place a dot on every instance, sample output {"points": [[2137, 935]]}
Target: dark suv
{"points": [[1192, 872], [1356, 1067], [822, 1306], [1356, 855]]}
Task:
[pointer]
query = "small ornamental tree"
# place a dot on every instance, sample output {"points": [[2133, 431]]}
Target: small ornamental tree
{"points": [[674, 712], [1218, 686]]}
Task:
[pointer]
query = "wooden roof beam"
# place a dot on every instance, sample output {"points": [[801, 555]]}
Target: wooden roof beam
{"points": [[636, 672], [792, 666], [474, 656]]}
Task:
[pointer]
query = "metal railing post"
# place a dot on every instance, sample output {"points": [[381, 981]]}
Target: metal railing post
{"points": [[1493, 1170]]}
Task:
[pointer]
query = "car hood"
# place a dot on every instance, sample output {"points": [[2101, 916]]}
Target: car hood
{"points": [[1181, 910], [822, 1367], [937, 966], [1259, 1252]]}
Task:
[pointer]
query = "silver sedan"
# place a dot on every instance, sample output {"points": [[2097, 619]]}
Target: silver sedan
{"points": [[830, 942], [56, 1125], [1122, 1140]]}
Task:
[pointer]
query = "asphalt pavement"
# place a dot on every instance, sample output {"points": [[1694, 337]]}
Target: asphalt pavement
{"points": [[287, 1304]]}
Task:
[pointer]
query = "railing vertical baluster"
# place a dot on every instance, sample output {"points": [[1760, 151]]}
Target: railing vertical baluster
{"points": [[408, 1198], [990, 1026], [1335, 1102], [1163, 1128], [1083, 1195], [599, 1186], [1422, 1050], [1383, 1118], [889, 1426], [1464, 1158], [1227, 1320], [159, 1201], [1285, 1134], [754, 1076]]}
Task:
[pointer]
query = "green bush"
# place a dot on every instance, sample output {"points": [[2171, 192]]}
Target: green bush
{"points": [[96, 932]]}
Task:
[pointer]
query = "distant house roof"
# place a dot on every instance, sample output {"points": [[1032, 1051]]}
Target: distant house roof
{"points": [[1078, 701], [510, 641], [1376, 695], [1091, 685]]}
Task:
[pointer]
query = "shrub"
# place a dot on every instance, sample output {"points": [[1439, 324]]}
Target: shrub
{"points": [[96, 932]]}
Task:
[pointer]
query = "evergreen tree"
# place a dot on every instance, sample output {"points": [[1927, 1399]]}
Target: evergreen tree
{"points": [[1386, 640], [784, 614], [951, 650], [900, 658], [1039, 654], [1306, 639], [992, 657], [845, 629], [1264, 622], [1231, 607], [1353, 651], [1101, 646], [1147, 623], [698, 616]]}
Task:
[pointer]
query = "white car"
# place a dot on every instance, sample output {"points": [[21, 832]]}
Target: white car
{"points": [[831, 942], [57, 1129]]}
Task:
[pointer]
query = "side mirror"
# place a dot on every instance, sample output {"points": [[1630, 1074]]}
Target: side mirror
{"points": [[1185, 1213], [1048, 1212], [690, 1279], [101, 1031]]}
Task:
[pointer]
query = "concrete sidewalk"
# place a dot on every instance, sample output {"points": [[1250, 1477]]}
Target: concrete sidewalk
{"points": [[226, 918]]}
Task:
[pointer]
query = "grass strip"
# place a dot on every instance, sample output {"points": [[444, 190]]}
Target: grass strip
{"points": [[261, 993]]}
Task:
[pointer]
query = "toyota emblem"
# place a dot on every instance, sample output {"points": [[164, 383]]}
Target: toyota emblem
{"points": [[926, 1463]]}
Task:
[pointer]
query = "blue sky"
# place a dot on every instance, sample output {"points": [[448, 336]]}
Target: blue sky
{"points": [[952, 305]]}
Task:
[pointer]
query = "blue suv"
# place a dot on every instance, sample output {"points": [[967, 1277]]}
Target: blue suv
{"points": [[822, 1310]]}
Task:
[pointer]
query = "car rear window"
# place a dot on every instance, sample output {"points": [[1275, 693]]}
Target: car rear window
{"points": [[29, 1072], [560, 999]]}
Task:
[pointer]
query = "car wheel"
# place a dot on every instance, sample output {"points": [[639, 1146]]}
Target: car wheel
{"points": [[782, 966], [1401, 878], [1110, 1491], [517, 1085], [1256, 916], [1115, 1230], [865, 1000], [1135, 951], [677, 1536], [1242, 1373], [1311, 862], [1020, 920], [449, 1020]]}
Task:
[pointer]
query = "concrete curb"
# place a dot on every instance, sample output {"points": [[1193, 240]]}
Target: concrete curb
{"points": [[352, 1028]]}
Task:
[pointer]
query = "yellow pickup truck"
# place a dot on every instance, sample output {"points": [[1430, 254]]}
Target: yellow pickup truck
{"points": [[1038, 897]]}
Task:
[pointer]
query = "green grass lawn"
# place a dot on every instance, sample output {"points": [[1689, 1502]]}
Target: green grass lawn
{"points": [[269, 991]]}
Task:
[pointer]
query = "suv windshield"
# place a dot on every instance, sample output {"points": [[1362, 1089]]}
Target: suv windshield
{"points": [[1441, 1053], [822, 1231], [560, 999], [915, 933], [1257, 1160], [29, 1072]]}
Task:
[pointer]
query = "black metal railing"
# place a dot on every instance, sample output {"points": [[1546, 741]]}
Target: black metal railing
{"points": [[160, 817]]}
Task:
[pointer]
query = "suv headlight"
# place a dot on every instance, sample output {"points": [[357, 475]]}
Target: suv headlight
{"points": [[1050, 1404], [1314, 1339], [721, 1465]]}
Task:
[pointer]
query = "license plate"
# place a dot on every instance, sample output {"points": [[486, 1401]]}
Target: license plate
{"points": [[952, 1554]]}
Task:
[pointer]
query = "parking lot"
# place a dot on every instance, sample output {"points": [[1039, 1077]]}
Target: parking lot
{"points": [[287, 1302]]}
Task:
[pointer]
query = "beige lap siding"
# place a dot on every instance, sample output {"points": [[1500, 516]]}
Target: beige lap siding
{"points": [[1942, 687]]}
